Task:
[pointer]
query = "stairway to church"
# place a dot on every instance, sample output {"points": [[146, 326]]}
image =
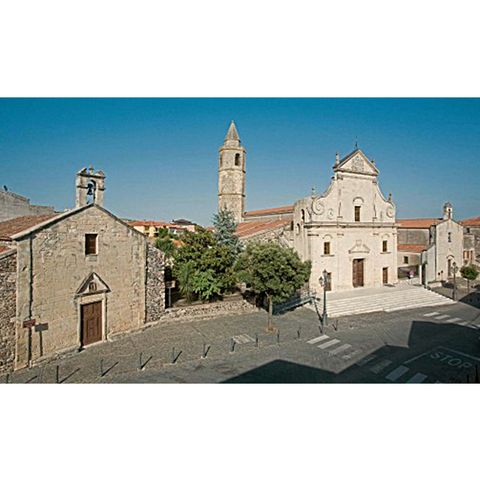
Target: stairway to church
{"points": [[387, 299]]}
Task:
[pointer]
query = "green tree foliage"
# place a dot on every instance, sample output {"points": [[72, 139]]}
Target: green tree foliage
{"points": [[272, 272], [210, 265], [469, 273], [165, 242], [225, 228]]}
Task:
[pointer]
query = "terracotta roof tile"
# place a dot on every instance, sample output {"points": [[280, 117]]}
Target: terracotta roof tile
{"points": [[153, 223], [471, 222], [247, 229], [19, 224], [410, 247], [4, 249], [269, 211], [418, 222]]}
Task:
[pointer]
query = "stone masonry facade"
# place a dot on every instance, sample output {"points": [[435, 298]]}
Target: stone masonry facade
{"points": [[155, 284], [8, 296]]}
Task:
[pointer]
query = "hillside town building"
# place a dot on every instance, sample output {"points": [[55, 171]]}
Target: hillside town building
{"points": [[13, 205], [74, 279]]}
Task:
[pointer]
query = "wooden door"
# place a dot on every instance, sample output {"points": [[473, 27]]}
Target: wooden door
{"points": [[91, 323], [358, 264], [385, 275]]}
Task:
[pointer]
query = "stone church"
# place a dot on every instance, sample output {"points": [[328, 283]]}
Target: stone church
{"points": [[71, 280], [349, 230]]}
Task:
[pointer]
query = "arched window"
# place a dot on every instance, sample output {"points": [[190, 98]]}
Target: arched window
{"points": [[303, 215], [237, 159], [298, 228]]}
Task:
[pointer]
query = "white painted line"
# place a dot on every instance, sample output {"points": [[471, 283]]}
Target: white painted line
{"points": [[340, 349], [323, 346], [365, 360], [397, 373], [453, 320], [472, 325], [431, 314], [442, 317], [463, 323], [348, 356], [382, 365], [317, 339], [418, 378], [249, 338]]}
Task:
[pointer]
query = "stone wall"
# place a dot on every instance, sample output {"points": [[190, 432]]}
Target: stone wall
{"points": [[13, 205], [155, 284], [413, 236], [8, 290], [208, 310]]}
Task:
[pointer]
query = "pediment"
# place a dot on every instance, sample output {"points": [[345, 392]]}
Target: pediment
{"points": [[93, 284], [357, 162], [359, 247]]}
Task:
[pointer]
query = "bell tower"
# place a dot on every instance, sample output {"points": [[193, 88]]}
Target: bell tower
{"points": [[231, 174], [89, 187]]}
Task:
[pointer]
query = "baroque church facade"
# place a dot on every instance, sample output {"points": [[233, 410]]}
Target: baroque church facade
{"points": [[349, 231]]}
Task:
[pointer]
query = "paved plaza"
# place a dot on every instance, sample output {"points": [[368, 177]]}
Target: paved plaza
{"points": [[427, 345]]}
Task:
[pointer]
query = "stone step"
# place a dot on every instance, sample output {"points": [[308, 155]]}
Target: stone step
{"points": [[402, 299]]}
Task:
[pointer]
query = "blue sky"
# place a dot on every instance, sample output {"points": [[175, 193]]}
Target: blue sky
{"points": [[160, 155]]}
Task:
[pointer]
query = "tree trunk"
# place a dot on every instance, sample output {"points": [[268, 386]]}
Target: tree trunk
{"points": [[270, 314]]}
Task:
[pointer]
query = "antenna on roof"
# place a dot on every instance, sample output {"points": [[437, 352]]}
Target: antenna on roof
{"points": [[356, 143]]}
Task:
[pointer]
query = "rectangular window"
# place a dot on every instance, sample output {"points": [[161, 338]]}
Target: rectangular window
{"points": [[385, 246], [91, 244], [449, 237], [357, 214], [405, 260], [326, 248]]}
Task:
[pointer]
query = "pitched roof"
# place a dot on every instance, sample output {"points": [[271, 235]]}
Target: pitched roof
{"points": [[248, 229], [11, 227], [471, 222], [419, 222], [269, 211], [410, 247]]}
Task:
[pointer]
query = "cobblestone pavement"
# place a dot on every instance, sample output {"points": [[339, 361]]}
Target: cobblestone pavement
{"points": [[368, 348]]}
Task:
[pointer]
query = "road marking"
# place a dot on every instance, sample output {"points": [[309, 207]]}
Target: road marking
{"points": [[461, 353], [365, 360], [242, 339], [348, 356], [431, 314], [318, 339], [453, 320], [476, 327], [340, 349], [397, 373], [377, 368], [442, 317], [418, 378], [249, 338], [463, 323], [329, 344]]}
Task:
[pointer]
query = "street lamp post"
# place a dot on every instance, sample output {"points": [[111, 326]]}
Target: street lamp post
{"points": [[323, 283], [455, 270]]}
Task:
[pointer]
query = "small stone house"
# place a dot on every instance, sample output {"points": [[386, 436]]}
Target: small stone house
{"points": [[74, 279]]}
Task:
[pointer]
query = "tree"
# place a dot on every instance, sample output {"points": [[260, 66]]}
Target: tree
{"points": [[210, 265], [225, 228], [469, 273], [166, 242], [272, 272]]}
